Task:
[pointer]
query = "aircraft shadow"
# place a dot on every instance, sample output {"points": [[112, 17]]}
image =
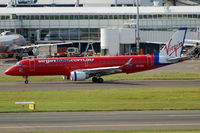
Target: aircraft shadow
{"points": [[125, 83], [110, 82]]}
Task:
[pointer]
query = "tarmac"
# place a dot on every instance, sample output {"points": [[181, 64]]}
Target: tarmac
{"points": [[64, 85], [99, 121]]}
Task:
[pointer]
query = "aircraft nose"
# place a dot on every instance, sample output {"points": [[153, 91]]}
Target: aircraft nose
{"points": [[9, 71]]}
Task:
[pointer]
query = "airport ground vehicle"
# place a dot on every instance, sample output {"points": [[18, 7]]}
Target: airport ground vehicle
{"points": [[63, 51]]}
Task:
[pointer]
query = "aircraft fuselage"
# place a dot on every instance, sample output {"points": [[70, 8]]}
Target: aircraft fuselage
{"points": [[63, 66], [9, 42]]}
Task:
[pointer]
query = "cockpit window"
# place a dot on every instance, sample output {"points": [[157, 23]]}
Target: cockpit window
{"points": [[18, 64]]}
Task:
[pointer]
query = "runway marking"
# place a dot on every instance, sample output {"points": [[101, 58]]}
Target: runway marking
{"points": [[183, 115], [86, 126], [20, 118]]}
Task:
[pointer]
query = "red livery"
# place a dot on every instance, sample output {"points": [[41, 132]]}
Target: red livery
{"points": [[81, 68]]}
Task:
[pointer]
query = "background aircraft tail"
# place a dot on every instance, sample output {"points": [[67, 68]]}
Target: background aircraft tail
{"points": [[172, 51]]}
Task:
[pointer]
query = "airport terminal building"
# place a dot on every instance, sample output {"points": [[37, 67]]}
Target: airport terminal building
{"points": [[85, 23]]}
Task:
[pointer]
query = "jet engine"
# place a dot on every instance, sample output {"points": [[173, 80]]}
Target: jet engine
{"points": [[78, 76]]}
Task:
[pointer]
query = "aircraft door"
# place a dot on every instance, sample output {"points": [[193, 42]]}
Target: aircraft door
{"points": [[32, 65], [86, 63], [149, 61]]}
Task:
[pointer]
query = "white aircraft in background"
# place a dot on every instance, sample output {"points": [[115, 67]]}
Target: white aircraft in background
{"points": [[11, 43]]}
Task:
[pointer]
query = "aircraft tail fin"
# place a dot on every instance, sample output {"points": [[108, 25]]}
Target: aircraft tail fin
{"points": [[173, 49]]}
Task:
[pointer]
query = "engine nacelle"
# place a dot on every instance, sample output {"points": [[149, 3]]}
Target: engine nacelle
{"points": [[78, 76]]}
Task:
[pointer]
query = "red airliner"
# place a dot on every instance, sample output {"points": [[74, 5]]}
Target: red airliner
{"points": [[82, 68]]}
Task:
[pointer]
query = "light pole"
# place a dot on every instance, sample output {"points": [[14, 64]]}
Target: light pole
{"points": [[138, 29], [15, 3], [77, 3]]}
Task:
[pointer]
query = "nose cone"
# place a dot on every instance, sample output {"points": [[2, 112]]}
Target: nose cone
{"points": [[10, 71]]}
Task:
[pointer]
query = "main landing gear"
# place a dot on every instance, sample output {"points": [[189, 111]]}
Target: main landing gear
{"points": [[26, 79], [97, 80]]}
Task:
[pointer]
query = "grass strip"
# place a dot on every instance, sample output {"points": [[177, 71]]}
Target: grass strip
{"points": [[135, 76], [103, 99]]}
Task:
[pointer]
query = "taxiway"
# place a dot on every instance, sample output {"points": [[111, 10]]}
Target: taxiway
{"points": [[63, 85], [93, 121]]}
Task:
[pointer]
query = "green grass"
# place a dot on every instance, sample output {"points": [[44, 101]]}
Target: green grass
{"points": [[104, 99], [136, 76], [135, 131], [33, 78], [154, 76]]}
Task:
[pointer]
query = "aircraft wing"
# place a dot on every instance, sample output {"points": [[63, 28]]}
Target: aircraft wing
{"points": [[192, 41], [154, 42], [105, 70], [102, 70], [39, 45], [187, 41]]}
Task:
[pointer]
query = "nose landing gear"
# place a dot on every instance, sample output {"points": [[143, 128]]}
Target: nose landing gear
{"points": [[26, 79]]}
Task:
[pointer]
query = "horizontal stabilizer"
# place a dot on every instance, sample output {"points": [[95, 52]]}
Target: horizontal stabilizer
{"points": [[179, 59]]}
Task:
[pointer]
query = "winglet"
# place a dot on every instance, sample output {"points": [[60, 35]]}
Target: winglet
{"points": [[127, 63]]}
